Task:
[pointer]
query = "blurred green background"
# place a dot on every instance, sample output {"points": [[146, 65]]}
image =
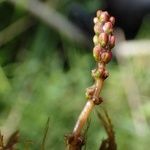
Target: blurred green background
{"points": [[44, 74]]}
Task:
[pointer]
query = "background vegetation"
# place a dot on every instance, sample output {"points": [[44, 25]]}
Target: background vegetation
{"points": [[44, 74]]}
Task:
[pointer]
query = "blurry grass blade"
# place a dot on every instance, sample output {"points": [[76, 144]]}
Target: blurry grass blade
{"points": [[2, 1], [5, 85], [131, 87], [15, 29], [45, 135], [1, 141], [12, 141], [86, 133], [52, 18], [130, 48], [108, 143]]}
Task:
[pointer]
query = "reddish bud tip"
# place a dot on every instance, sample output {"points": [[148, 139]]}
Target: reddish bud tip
{"points": [[112, 41], [108, 28], [104, 17], [96, 52], [112, 20], [106, 56], [103, 39]]}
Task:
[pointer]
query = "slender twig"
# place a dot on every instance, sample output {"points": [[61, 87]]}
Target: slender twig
{"points": [[104, 41]]}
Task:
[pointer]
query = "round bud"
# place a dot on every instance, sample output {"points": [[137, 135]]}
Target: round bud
{"points": [[95, 39], [103, 39], [112, 41], [108, 28], [95, 20], [97, 28], [104, 17], [106, 56], [96, 52], [112, 20], [98, 13]]}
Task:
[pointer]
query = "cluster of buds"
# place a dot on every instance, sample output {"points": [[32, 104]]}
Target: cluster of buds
{"points": [[103, 40]]}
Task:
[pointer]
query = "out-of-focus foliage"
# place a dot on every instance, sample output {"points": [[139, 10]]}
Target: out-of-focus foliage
{"points": [[44, 75]]}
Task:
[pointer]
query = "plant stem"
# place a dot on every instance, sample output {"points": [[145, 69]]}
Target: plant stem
{"points": [[87, 109], [104, 41]]}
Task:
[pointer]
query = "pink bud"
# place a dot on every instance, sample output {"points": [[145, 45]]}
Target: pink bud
{"points": [[95, 39], [112, 41], [112, 20], [97, 28], [103, 39], [104, 17], [95, 20], [108, 28], [106, 56], [96, 52], [98, 13]]}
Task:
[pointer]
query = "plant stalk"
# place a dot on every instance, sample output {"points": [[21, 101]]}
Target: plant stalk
{"points": [[87, 109]]}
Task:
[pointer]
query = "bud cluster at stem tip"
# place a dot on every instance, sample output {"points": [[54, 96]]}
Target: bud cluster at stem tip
{"points": [[103, 39]]}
